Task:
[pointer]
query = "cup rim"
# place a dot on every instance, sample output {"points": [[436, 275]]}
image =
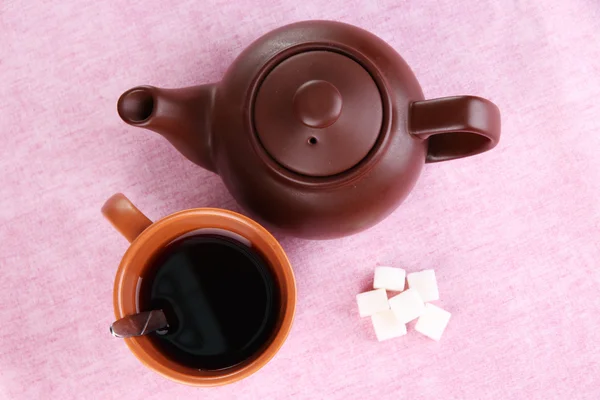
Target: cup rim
{"points": [[167, 229]]}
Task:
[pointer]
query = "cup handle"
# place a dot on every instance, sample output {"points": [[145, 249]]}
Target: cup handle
{"points": [[125, 217], [455, 127]]}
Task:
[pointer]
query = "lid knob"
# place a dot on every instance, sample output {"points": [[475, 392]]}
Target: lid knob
{"points": [[318, 104]]}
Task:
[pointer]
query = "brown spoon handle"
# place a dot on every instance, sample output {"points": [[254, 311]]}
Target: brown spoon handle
{"points": [[139, 324]]}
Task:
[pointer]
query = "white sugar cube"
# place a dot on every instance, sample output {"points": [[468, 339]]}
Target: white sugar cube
{"points": [[433, 322], [389, 278], [387, 326], [425, 283], [372, 302], [407, 306]]}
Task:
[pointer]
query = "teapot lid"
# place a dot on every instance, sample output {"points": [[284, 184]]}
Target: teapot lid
{"points": [[318, 113]]}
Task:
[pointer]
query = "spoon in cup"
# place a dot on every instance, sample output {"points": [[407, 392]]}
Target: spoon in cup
{"points": [[139, 324]]}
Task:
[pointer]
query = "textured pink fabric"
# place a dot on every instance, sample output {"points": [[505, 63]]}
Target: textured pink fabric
{"points": [[513, 234]]}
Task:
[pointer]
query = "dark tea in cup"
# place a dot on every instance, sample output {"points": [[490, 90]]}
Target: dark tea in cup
{"points": [[219, 296]]}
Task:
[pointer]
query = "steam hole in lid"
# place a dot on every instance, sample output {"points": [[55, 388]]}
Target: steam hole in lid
{"points": [[312, 140]]}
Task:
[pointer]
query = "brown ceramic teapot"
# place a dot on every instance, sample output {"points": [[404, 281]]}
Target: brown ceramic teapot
{"points": [[318, 128]]}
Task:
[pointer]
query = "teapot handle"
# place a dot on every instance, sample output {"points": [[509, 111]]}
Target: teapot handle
{"points": [[455, 127]]}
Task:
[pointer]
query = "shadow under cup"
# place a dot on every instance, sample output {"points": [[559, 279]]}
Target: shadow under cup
{"points": [[153, 239]]}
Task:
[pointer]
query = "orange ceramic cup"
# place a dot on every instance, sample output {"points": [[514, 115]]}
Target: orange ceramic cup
{"points": [[148, 238]]}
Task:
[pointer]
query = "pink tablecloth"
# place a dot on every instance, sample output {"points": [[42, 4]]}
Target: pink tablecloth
{"points": [[513, 234]]}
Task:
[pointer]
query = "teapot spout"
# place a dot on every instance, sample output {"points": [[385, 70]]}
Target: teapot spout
{"points": [[182, 116]]}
